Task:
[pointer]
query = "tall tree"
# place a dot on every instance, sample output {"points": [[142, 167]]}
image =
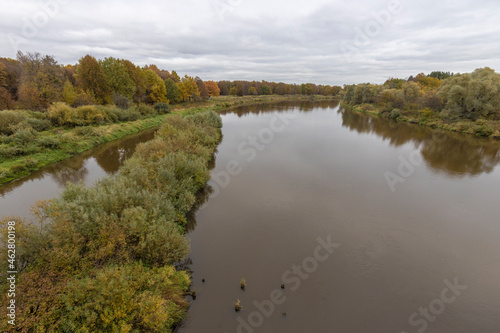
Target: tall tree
{"points": [[172, 91], [137, 75], [472, 96], [188, 89], [42, 80], [156, 91], [202, 88], [117, 77], [213, 88], [91, 78]]}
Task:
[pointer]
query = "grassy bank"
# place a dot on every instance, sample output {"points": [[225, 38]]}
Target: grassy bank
{"points": [[480, 127], [102, 258], [58, 144], [26, 150]]}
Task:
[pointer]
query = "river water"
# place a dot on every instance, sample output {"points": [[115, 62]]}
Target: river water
{"points": [[410, 217], [369, 225]]}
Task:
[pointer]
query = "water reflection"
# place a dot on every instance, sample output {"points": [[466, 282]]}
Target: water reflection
{"points": [[286, 106], [451, 153]]}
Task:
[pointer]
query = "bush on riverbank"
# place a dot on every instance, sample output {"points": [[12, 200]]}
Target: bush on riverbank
{"points": [[466, 103], [103, 261]]}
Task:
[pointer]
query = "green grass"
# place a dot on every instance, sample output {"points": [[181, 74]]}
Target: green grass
{"points": [[71, 143]]}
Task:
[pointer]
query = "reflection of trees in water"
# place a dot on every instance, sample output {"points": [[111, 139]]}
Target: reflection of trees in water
{"points": [[286, 106], [69, 174], [112, 156], [452, 153], [202, 196]]}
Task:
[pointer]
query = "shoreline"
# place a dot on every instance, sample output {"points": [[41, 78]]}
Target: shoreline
{"points": [[489, 129]]}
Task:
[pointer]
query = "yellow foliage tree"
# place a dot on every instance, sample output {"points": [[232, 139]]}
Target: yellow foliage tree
{"points": [[155, 87]]}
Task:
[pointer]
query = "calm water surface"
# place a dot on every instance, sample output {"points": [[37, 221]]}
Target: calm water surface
{"points": [[422, 255]]}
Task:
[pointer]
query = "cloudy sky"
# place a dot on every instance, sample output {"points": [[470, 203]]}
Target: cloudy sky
{"points": [[320, 41]]}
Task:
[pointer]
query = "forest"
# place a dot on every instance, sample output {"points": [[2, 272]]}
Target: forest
{"points": [[34, 82], [467, 103]]}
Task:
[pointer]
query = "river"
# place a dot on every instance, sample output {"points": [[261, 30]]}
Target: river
{"points": [[369, 225], [409, 216]]}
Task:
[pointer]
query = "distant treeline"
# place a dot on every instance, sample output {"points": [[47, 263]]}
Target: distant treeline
{"points": [[442, 95], [34, 82]]}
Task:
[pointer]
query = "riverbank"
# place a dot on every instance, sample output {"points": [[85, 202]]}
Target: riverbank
{"points": [[22, 157], [479, 128], [105, 257]]}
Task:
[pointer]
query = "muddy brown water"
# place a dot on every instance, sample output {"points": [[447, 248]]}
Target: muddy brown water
{"points": [[420, 256], [371, 226]]}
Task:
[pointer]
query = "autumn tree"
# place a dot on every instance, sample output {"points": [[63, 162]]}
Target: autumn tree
{"points": [[202, 88], [266, 90], [224, 87], [172, 91], [3, 75], [136, 74], [117, 77], [307, 89], [440, 75], [69, 93], [12, 75], [6, 100], [188, 89], [475, 95], [163, 74], [174, 76], [156, 91], [213, 88], [41, 82], [92, 80]]}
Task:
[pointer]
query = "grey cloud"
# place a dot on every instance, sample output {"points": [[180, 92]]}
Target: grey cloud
{"points": [[290, 41]]}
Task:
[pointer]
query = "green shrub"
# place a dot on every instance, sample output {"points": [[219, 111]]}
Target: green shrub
{"points": [[123, 102], [162, 108], [23, 136], [130, 298], [9, 119], [62, 114], [28, 164], [86, 131], [39, 125], [146, 110], [395, 114], [48, 142], [90, 114], [110, 111], [426, 113], [4, 139], [129, 114], [484, 130], [9, 151]]}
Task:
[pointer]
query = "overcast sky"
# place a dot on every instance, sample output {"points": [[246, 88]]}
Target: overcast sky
{"points": [[320, 41]]}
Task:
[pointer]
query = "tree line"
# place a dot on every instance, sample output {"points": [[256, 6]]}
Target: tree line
{"points": [[34, 81], [444, 95]]}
